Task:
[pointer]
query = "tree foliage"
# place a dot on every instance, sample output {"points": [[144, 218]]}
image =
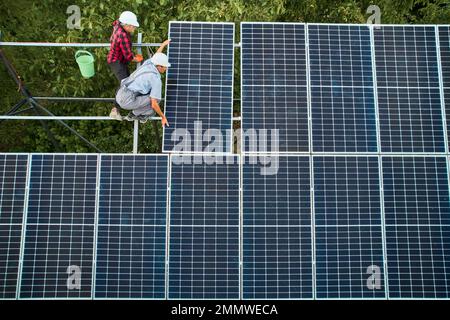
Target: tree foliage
{"points": [[54, 72]]}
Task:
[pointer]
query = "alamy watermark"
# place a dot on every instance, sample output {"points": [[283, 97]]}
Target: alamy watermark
{"points": [[74, 20], [374, 280], [211, 146], [74, 278], [375, 18]]}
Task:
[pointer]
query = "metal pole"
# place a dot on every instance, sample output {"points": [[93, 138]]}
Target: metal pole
{"points": [[21, 111], [75, 99], [98, 99], [66, 44], [11, 117], [135, 136], [36, 104], [14, 110], [44, 125], [136, 123]]}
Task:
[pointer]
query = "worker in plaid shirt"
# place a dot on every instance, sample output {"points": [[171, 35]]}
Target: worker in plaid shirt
{"points": [[120, 51]]}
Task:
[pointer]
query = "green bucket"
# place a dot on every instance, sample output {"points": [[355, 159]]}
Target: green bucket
{"points": [[85, 62]]}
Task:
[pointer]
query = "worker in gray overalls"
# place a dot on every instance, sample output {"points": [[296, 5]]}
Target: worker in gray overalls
{"points": [[141, 91]]}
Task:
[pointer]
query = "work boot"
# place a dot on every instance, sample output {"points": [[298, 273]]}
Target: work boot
{"points": [[143, 118], [131, 117]]}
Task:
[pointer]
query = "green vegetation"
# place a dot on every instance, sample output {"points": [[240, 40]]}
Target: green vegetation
{"points": [[53, 71]]}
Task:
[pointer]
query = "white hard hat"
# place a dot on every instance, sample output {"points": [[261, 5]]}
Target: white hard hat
{"points": [[160, 59], [128, 17]]}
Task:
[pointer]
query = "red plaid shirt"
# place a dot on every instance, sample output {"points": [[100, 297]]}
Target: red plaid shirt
{"points": [[120, 45]]}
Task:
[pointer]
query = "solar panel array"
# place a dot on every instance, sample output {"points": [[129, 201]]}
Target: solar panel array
{"points": [[376, 110], [199, 86], [353, 202]]}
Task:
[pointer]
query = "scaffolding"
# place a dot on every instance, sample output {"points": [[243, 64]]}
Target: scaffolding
{"points": [[37, 108]]}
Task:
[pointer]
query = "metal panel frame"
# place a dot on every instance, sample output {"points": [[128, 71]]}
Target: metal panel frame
{"points": [[97, 224], [312, 225], [229, 137], [307, 90], [30, 157], [236, 157]]}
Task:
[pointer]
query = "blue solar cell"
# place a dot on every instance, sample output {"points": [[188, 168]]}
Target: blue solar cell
{"points": [[340, 55], [199, 85], [131, 237], [410, 120], [444, 45], [62, 189], [277, 239], [274, 84], [130, 261], [406, 56], [418, 259], [408, 89], [343, 119], [417, 211], [59, 239], [13, 172], [10, 242], [342, 95], [348, 227], [446, 93], [204, 228]]}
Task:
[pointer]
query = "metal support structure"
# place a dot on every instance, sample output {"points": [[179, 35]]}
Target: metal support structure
{"points": [[13, 113], [16, 108], [79, 118], [75, 99], [64, 118], [73, 44], [34, 105], [136, 123], [28, 98]]}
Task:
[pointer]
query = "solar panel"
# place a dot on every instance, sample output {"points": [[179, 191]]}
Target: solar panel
{"points": [[59, 238], [408, 89], [444, 45], [131, 237], [342, 95], [417, 213], [274, 85], [348, 227], [199, 86], [204, 228], [277, 238], [13, 174]]}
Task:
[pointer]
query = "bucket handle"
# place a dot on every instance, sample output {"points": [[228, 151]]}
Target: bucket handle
{"points": [[82, 51]]}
